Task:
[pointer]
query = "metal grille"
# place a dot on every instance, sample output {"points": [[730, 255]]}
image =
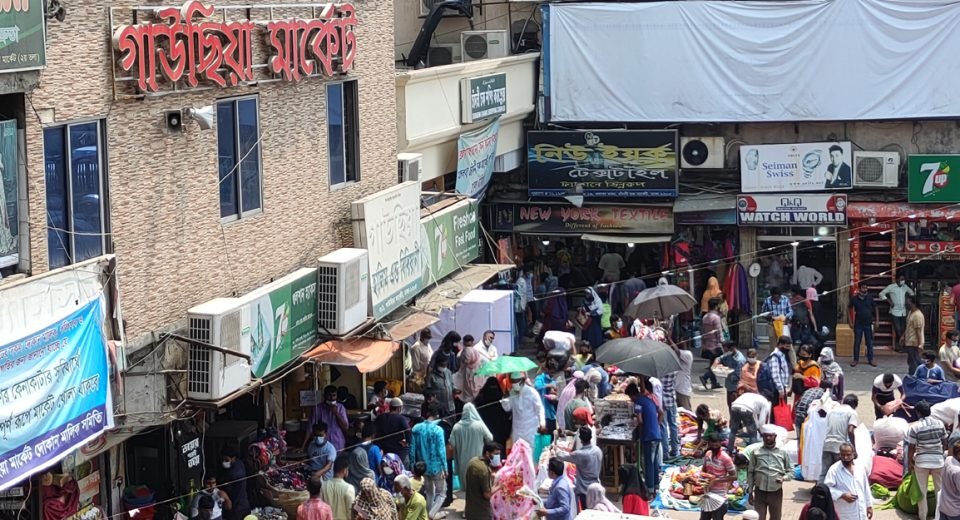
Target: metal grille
{"points": [[198, 364], [327, 296], [869, 170]]}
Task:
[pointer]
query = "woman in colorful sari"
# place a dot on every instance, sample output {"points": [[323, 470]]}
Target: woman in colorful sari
{"points": [[468, 438], [517, 473], [806, 374]]}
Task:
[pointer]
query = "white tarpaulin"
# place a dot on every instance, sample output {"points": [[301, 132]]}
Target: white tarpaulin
{"points": [[753, 61]]}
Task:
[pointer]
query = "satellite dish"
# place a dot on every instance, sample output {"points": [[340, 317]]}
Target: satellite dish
{"points": [[202, 115]]}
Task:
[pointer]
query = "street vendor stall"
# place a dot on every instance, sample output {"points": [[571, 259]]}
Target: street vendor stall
{"points": [[615, 418]]}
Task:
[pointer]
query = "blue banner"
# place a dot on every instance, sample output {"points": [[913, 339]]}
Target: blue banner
{"points": [[55, 393], [476, 152]]}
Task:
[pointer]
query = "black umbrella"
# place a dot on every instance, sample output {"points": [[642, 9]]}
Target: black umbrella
{"points": [[639, 356], [660, 302]]}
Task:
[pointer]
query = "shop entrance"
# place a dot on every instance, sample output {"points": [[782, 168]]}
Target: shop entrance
{"points": [[932, 281], [799, 256]]}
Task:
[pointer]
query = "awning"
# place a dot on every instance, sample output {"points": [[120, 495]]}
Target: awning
{"points": [[626, 239], [101, 444], [408, 322], [365, 354], [448, 292], [705, 202], [901, 210]]}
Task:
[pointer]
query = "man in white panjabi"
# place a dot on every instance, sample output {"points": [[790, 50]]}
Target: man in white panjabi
{"points": [[850, 486], [526, 407]]}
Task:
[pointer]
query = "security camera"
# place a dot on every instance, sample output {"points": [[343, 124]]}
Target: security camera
{"points": [[202, 115]]}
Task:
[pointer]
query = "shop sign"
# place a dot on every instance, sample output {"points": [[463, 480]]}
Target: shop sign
{"points": [[9, 227], [189, 47], [55, 393], [476, 154], [483, 97], [22, 35], [455, 233], [554, 218], [89, 486], [602, 163], [796, 167], [933, 178], [792, 210], [387, 225], [189, 457], [283, 320]]}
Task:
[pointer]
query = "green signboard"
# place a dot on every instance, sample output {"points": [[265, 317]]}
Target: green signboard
{"points": [[933, 178], [451, 239], [483, 97], [21, 35], [283, 321]]}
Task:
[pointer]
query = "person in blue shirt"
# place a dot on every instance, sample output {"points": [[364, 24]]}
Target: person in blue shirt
{"points": [[930, 371], [547, 388], [321, 453], [559, 503], [733, 359], [648, 426], [428, 445]]}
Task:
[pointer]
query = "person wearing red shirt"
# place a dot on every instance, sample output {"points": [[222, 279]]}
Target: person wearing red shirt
{"points": [[314, 508]]}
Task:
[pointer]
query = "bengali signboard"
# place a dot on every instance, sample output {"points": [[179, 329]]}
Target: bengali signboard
{"points": [[451, 239], [387, 225], [796, 167], [792, 210], [195, 46], [22, 35], [602, 163], [933, 178], [483, 97], [556, 218], [283, 319], [476, 153], [55, 394]]}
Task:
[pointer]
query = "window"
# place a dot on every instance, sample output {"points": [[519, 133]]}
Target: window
{"points": [[9, 195], [238, 149], [343, 131], [76, 186]]}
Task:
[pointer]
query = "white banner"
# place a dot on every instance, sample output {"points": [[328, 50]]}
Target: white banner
{"points": [[796, 167], [792, 210], [715, 61]]}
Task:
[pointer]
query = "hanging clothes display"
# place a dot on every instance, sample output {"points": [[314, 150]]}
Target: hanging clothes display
{"points": [[811, 446]]}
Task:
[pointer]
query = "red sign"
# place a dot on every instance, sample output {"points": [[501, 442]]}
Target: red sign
{"points": [[187, 46]]}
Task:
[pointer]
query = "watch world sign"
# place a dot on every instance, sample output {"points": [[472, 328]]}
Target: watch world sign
{"points": [[188, 47]]}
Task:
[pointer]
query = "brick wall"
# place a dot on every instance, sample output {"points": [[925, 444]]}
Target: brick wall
{"points": [[172, 249]]}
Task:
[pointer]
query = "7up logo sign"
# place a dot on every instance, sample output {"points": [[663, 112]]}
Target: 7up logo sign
{"points": [[936, 175]]}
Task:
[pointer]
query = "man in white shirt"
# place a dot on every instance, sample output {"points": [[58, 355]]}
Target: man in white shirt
{"points": [[611, 263], [896, 295], [849, 486], [841, 423], [683, 385], [750, 411], [420, 354], [487, 349], [807, 277]]}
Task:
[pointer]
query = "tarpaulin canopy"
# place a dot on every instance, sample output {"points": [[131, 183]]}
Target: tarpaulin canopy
{"points": [[407, 323], [365, 354], [448, 292]]}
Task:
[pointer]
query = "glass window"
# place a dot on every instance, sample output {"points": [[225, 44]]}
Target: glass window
{"points": [[75, 189], [9, 193], [238, 151], [343, 134]]}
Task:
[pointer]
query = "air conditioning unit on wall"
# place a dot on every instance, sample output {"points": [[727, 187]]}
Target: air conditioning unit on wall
{"points": [[224, 323], [876, 169], [408, 167], [444, 54], [701, 153], [481, 45], [342, 283]]}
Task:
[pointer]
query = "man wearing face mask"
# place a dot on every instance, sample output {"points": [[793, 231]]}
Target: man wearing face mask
{"points": [[849, 486], [896, 295], [527, 409], [236, 489], [221, 501], [488, 350], [864, 309], [479, 483], [334, 415], [321, 453], [718, 472]]}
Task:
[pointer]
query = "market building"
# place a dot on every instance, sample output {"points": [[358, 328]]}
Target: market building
{"points": [[189, 160]]}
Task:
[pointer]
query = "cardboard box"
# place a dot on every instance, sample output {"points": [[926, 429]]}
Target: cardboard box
{"points": [[844, 340]]}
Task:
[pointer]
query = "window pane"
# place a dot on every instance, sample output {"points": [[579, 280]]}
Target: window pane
{"points": [[9, 175], [227, 155], [351, 131], [335, 133], [85, 191], [250, 153], [55, 179]]}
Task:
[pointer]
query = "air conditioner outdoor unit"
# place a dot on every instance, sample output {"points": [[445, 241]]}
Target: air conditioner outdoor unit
{"points": [[342, 282], [444, 54], [876, 169], [480, 45], [701, 153], [225, 323], [408, 167]]}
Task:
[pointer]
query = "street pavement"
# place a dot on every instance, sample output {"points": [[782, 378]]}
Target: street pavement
{"points": [[857, 380]]}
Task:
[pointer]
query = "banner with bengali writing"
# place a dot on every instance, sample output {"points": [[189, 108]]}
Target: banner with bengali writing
{"points": [[54, 393]]}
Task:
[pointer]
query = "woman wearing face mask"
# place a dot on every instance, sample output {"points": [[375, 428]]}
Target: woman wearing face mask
{"points": [[617, 329], [468, 437], [748, 374], [806, 374], [390, 468]]}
